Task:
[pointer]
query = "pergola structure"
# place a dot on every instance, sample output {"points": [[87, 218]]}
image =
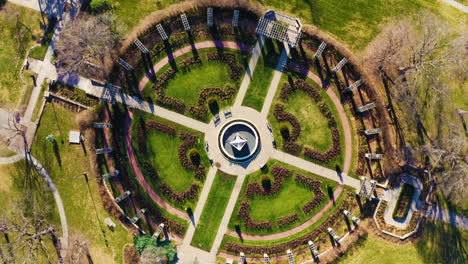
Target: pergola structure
{"points": [[281, 27]]}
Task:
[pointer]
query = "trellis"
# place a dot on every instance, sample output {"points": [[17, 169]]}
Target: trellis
{"points": [[355, 85], [103, 150], [281, 27], [373, 131], [242, 258], [366, 107], [161, 31], [159, 230], [124, 64], [266, 259], [140, 46], [209, 16], [340, 65], [313, 249], [102, 125], [185, 22], [112, 174], [138, 216], [290, 257], [122, 196], [235, 18], [320, 49]]}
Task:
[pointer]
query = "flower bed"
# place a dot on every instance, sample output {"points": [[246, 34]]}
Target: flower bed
{"points": [[404, 201], [314, 186], [286, 220], [201, 108], [280, 249], [278, 174], [379, 217], [290, 144]]}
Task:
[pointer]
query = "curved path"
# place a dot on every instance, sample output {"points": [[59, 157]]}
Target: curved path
{"points": [[234, 45], [63, 219], [200, 45], [139, 175]]}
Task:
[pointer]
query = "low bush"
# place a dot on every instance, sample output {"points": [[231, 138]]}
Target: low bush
{"points": [[180, 197], [286, 220], [279, 173], [188, 141], [243, 213], [314, 186]]}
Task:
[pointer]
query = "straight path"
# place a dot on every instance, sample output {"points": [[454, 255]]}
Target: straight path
{"points": [[58, 200], [187, 251], [341, 112], [457, 5], [187, 49], [223, 227], [249, 72], [341, 178], [275, 80], [441, 214]]}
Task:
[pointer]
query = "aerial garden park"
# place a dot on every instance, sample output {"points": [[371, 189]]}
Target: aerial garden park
{"points": [[228, 132], [233, 127]]}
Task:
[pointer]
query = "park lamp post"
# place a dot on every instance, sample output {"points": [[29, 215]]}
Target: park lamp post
{"points": [[85, 174]]}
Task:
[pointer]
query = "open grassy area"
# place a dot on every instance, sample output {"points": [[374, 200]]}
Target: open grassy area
{"points": [[163, 150], [83, 208], [17, 34], [440, 243], [290, 198], [187, 86], [262, 75], [210, 219], [39, 52], [314, 125], [355, 23]]}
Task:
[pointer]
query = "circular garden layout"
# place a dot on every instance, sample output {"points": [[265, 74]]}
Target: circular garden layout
{"points": [[235, 147]]}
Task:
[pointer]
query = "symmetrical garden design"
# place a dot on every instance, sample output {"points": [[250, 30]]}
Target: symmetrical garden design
{"points": [[189, 80]]}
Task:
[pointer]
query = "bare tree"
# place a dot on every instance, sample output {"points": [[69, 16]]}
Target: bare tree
{"points": [[88, 45], [26, 237], [421, 58], [153, 255]]}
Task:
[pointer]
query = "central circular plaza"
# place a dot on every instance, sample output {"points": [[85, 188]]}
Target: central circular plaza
{"points": [[239, 140]]}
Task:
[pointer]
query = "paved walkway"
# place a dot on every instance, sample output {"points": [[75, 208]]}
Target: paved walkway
{"points": [[249, 72], [58, 201], [200, 45], [391, 196], [441, 214], [187, 252], [275, 81], [457, 5], [316, 169]]}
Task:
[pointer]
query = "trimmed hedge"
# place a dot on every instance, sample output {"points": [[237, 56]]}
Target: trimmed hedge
{"points": [[278, 172], [281, 248], [201, 108], [286, 220], [180, 197], [314, 186], [188, 141], [243, 213]]}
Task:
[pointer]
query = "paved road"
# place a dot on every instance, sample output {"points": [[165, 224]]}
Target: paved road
{"points": [[58, 201], [316, 169], [256, 53], [444, 215], [275, 81]]}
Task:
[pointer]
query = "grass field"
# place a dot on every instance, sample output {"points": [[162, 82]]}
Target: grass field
{"points": [[187, 86], [314, 125], [290, 198], [355, 23], [163, 151], [17, 34], [210, 219], [262, 75], [83, 207], [440, 243]]}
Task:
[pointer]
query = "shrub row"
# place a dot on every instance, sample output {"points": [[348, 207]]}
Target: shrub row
{"points": [[286, 220], [278, 172], [235, 70], [180, 197], [201, 109], [314, 186], [300, 84], [159, 126], [280, 249], [188, 141], [243, 213], [330, 154]]}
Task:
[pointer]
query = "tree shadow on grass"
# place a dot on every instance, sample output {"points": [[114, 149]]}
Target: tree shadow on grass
{"points": [[443, 243]]}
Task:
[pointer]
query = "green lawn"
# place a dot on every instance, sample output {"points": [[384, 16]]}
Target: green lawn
{"points": [[315, 131], [440, 243], [355, 23], [163, 151], [270, 208], [262, 76], [17, 34], [83, 207], [39, 52], [213, 211], [187, 86]]}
